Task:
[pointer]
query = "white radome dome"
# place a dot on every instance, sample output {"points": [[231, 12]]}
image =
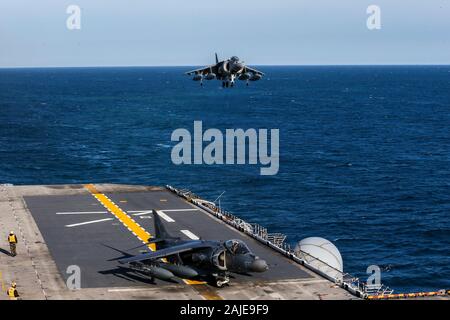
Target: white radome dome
{"points": [[323, 250]]}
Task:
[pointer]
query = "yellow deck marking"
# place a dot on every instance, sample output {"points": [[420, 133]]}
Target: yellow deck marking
{"points": [[206, 292], [136, 229], [141, 234], [193, 281]]}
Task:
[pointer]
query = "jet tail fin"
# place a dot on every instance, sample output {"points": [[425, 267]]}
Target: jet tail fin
{"points": [[160, 231], [217, 58]]}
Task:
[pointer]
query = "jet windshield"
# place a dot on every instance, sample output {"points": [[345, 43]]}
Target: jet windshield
{"points": [[236, 246]]}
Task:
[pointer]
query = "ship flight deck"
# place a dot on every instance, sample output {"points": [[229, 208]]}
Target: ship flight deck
{"points": [[92, 226]]}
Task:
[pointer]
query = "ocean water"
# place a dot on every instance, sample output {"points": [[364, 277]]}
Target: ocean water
{"points": [[364, 151]]}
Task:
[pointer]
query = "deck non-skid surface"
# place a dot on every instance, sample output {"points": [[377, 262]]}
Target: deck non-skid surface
{"points": [[79, 230]]}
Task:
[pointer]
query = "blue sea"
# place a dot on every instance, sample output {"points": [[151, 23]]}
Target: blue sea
{"points": [[364, 151]]}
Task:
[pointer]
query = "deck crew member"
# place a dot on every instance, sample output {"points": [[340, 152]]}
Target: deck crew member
{"points": [[12, 292], [12, 239]]}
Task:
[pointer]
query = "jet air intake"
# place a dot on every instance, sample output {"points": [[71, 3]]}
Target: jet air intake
{"points": [[224, 68], [218, 259]]}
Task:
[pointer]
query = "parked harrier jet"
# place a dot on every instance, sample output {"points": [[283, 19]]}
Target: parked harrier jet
{"points": [[227, 71], [194, 259]]}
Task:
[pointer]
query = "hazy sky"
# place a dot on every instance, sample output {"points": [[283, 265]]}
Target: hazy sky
{"points": [[188, 32]]}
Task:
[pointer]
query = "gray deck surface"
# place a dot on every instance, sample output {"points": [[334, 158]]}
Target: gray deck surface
{"points": [[93, 247]]}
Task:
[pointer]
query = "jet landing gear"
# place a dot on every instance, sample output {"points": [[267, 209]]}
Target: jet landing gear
{"points": [[227, 84], [220, 280], [221, 284]]}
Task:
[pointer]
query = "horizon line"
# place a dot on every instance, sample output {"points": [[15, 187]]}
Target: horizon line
{"points": [[263, 65]]}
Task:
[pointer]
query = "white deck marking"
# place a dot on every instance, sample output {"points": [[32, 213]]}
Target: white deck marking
{"points": [[164, 216], [190, 235], [133, 212], [164, 210], [88, 222], [139, 213], [81, 212]]}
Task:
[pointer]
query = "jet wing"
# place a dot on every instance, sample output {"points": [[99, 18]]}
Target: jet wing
{"points": [[166, 252], [203, 71], [248, 69]]}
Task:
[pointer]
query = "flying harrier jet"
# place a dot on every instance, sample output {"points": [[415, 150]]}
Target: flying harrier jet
{"points": [[226, 71], [194, 259]]}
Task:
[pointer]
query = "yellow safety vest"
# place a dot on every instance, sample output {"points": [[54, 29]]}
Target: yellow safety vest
{"points": [[12, 292], [12, 239]]}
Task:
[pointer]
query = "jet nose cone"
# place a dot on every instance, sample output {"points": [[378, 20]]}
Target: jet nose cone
{"points": [[259, 265], [236, 66]]}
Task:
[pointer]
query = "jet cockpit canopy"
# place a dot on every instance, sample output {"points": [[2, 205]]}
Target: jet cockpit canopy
{"points": [[236, 246]]}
